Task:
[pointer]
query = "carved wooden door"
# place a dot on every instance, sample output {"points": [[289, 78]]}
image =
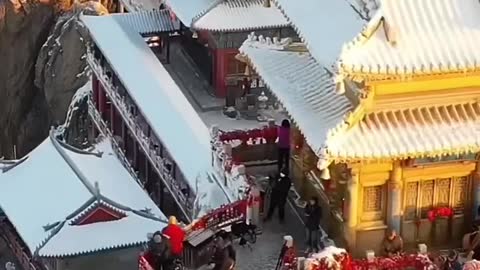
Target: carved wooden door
{"points": [[423, 196]]}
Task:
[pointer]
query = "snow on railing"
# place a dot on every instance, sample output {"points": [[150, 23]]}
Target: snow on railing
{"points": [[102, 127], [235, 178], [14, 245], [185, 204]]}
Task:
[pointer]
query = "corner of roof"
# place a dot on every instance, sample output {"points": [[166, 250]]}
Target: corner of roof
{"points": [[205, 11], [273, 43]]}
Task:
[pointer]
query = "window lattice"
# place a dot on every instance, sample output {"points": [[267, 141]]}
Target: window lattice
{"points": [[443, 192], [460, 192], [427, 197], [372, 199], [411, 200]]}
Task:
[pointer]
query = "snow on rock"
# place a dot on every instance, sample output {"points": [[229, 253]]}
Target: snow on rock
{"points": [[75, 128]]}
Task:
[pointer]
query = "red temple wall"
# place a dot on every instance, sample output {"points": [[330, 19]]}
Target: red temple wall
{"points": [[221, 58]]}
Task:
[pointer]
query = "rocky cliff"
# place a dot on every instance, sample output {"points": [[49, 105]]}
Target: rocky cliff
{"points": [[42, 65]]}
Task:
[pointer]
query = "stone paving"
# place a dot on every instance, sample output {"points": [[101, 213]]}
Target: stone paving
{"points": [[265, 252]]}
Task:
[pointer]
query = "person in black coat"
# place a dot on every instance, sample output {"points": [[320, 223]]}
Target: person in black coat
{"points": [[159, 247], [313, 215], [224, 257], [279, 196]]}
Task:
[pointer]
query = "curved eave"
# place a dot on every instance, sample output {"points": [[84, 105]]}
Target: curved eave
{"points": [[90, 251], [359, 74], [338, 158], [221, 29]]}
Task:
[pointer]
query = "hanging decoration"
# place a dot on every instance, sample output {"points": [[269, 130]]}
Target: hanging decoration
{"points": [[344, 261], [267, 135], [446, 212], [221, 217]]}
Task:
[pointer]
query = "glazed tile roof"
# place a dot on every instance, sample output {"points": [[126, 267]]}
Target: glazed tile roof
{"points": [[148, 22], [189, 11], [324, 26], [417, 37], [412, 132], [63, 182], [241, 15], [308, 94], [304, 87]]}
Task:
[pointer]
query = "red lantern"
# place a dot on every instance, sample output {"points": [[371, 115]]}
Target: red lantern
{"points": [[431, 215]]}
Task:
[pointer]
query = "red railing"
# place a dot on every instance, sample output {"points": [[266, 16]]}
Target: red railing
{"points": [[259, 135], [215, 220]]}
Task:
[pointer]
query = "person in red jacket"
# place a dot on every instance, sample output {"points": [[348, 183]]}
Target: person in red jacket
{"points": [[177, 236]]}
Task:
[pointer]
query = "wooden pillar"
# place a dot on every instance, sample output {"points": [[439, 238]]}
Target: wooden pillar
{"points": [[476, 191], [167, 39], [91, 130], [395, 198], [352, 218], [101, 100], [124, 135], [147, 170], [95, 90], [135, 153], [112, 118], [161, 191]]}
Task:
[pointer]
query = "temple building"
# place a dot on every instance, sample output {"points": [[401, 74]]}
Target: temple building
{"points": [[387, 125], [60, 205], [154, 128], [212, 32]]}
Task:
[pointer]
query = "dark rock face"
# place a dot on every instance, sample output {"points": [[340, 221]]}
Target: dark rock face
{"points": [[42, 65], [75, 129], [61, 68], [23, 108]]}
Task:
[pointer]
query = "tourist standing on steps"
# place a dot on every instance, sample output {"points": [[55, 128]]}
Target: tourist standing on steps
{"points": [[284, 145], [279, 196], [313, 214]]}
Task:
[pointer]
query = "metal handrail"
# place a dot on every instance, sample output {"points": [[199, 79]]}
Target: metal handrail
{"points": [[185, 204], [102, 126]]}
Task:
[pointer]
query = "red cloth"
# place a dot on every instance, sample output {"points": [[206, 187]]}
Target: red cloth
{"points": [[177, 235]]}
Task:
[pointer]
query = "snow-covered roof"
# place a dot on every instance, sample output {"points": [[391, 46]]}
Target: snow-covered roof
{"points": [[188, 11], [168, 112], [324, 26], [412, 132], [417, 37], [148, 22], [241, 15], [308, 94], [56, 183], [304, 87]]}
